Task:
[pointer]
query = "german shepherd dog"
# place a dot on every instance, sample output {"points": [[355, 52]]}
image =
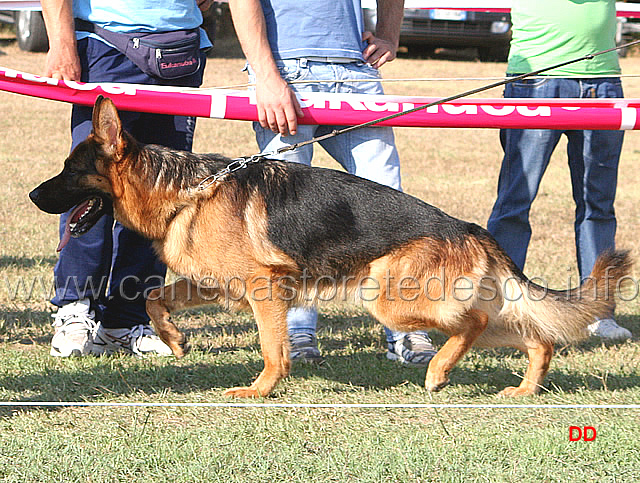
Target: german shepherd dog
{"points": [[276, 235]]}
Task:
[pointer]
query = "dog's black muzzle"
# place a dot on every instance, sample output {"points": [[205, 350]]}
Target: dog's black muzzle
{"points": [[85, 206], [54, 196]]}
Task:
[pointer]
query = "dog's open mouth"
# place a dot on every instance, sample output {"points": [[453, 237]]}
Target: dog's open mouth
{"points": [[81, 219]]}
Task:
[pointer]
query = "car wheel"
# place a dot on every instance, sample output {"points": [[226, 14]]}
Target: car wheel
{"points": [[493, 54], [31, 32], [416, 50]]}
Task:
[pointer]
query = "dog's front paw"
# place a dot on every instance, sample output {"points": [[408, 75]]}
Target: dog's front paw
{"points": [[183, 350], [513, 391], [178, 345], [179, 350], [247, 392], [434, 384]]}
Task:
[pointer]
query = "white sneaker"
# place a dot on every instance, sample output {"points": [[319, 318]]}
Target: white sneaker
{"points": [[414, 349], [304, 348], [74, 328], [608, 329], [140, 340]]}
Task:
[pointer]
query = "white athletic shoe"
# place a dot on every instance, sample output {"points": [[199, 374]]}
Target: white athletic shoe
{"points": [[140, 340], [304, 348], [608, 329], [414, 349], [74, 328]]}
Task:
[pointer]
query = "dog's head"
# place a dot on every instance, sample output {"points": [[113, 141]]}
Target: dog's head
{"points": [[85, 183]]}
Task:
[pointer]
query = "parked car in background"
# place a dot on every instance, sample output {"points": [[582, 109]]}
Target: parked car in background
{"points": [[28, 23], [31, 33], [425, 29], [628, 30]]}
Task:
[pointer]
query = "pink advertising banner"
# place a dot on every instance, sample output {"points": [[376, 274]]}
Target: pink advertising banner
{"points": [[341, 109]]}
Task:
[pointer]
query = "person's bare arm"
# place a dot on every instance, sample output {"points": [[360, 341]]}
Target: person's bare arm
{"points": [[62, 59], [278, 107], [383, 46]]}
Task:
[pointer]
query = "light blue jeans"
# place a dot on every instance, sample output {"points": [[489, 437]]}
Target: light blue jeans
{"points": [[593, 165], [368, 152]]}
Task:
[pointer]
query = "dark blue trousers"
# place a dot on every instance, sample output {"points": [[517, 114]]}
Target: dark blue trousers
{"points": [[110, 264], [593, 165]]}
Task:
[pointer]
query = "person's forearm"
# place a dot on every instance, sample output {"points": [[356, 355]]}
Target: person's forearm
{"points": [[58, 17], [276, 102], [390, 13], [251, 29], [62, 59]]}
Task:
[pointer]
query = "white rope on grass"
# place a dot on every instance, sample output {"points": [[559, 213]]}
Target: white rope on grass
{"points": [[312, 405], [416, 79]]}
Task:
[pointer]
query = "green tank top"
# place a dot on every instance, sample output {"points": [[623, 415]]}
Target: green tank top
{"points": [[548, 32]]}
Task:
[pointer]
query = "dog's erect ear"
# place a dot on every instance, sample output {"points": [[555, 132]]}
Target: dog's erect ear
{"points": [[106, 124]]}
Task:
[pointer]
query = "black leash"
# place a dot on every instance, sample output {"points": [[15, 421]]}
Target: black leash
{"points": [[242, 162]]}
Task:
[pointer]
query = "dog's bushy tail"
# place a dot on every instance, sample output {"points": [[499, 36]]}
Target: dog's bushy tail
{"points": [[561, 315]]}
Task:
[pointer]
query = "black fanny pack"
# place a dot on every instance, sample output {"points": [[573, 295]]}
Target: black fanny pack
{"points": [[167, 55]]}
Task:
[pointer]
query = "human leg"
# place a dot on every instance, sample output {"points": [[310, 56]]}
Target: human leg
{"points": [[84, 263], [371, 153], [110, 255], [593, 160], [135, 268], [594, 157], [301, 321], [526, 157], [81, 273], [131, 269]]}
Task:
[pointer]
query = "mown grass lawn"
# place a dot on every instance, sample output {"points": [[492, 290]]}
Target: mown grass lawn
{"points": [[453, 169]]}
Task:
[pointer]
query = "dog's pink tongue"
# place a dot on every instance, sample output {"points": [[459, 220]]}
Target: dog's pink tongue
{"points": [[73, 217], [66, 236]]}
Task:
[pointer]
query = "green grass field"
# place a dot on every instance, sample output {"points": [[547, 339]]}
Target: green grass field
{"points": [[454, 169]]}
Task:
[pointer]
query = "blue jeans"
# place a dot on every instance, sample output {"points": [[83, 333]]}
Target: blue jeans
{"points": [[110, 264], [593, 165], [369, 152]]}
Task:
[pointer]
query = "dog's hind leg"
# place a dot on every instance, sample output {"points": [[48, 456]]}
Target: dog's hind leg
{"points": [[161, 302], [473, 324], [540, 354]]}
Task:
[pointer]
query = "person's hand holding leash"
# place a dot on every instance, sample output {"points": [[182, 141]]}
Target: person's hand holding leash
{"points": [[278, 107], [63, 63]]}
